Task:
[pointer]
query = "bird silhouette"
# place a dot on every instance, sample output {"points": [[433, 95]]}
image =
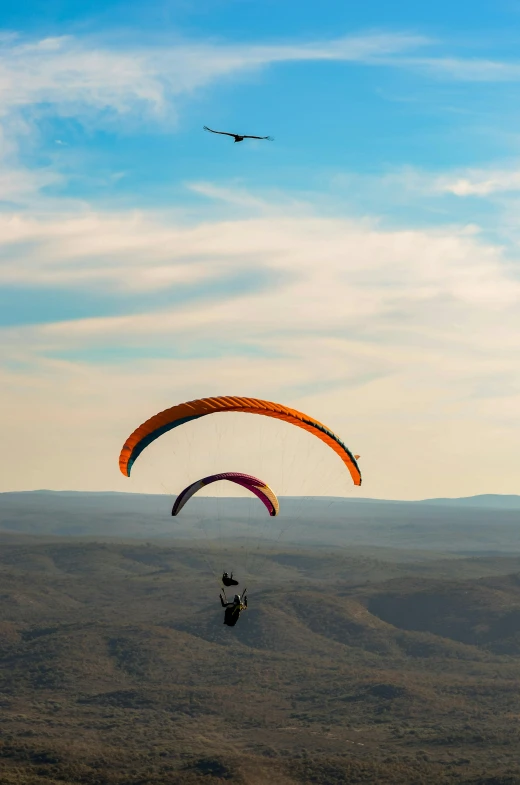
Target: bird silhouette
{"points": [[238, 137]]}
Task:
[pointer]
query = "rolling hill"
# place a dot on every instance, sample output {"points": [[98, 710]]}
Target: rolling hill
{"points": [[481, 524], [115, 667]]}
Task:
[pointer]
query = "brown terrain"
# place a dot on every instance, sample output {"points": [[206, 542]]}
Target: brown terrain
{"points": [[116, 668]]}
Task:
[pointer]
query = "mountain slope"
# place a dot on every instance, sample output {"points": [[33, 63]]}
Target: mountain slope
{"points": [[486, 524]]}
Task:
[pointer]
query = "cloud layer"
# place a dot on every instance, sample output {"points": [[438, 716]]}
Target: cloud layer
{"points": [[397, 337], [70, 74], [404, 339]]}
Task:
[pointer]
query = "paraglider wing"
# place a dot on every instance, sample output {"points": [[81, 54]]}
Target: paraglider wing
{"points": [[186, 412], [253, 484]]}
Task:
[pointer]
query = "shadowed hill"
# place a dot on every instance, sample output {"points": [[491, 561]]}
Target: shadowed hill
{"points": [[482, 613]]}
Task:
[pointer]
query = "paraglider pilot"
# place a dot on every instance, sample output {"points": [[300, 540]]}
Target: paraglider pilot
{"points": [[229, 580], [233, 609]]}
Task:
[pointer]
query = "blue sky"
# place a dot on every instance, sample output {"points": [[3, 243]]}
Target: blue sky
{"points": [[362, 267]]}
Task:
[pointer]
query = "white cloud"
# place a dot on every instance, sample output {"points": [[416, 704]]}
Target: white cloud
{"points": [[464, 69], [21, 185], [122, 251], [313, 257], [71, 74], [408, 413], [480, 182], [401, 185], [406, 342], [68, 75]]}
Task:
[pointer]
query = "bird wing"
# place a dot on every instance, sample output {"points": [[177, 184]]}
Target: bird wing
{"points": [[225, 133], [247, 136]]}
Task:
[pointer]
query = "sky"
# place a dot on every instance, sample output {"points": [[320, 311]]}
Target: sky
{"points": [[363, 267]]}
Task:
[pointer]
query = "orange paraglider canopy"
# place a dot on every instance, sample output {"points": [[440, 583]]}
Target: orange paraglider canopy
{"points": [[191, 410]]}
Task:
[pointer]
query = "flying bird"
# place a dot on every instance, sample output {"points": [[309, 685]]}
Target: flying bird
{"points": [[238, 137]]}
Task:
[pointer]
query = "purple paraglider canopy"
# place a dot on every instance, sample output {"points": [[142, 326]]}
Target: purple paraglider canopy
{"points": [[253, 484]]}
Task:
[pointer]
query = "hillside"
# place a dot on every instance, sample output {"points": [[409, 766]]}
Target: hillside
{"points": [[116, 668], [481, 524]]}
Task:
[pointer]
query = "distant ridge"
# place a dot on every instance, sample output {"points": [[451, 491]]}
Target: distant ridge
{"points": [[485, 524], [491, 501], [496, 501]]}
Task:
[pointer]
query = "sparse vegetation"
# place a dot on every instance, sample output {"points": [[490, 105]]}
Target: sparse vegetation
{"points": [[116, 668]]}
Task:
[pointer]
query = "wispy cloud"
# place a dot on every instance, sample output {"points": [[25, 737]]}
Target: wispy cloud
{"points": [[326, 256], [406, 183], [66, 77], [20, 185], [405, 340], [480, 182], [124, 251], [460, 69], [319, 276], [70, 74], [395, 338]]}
